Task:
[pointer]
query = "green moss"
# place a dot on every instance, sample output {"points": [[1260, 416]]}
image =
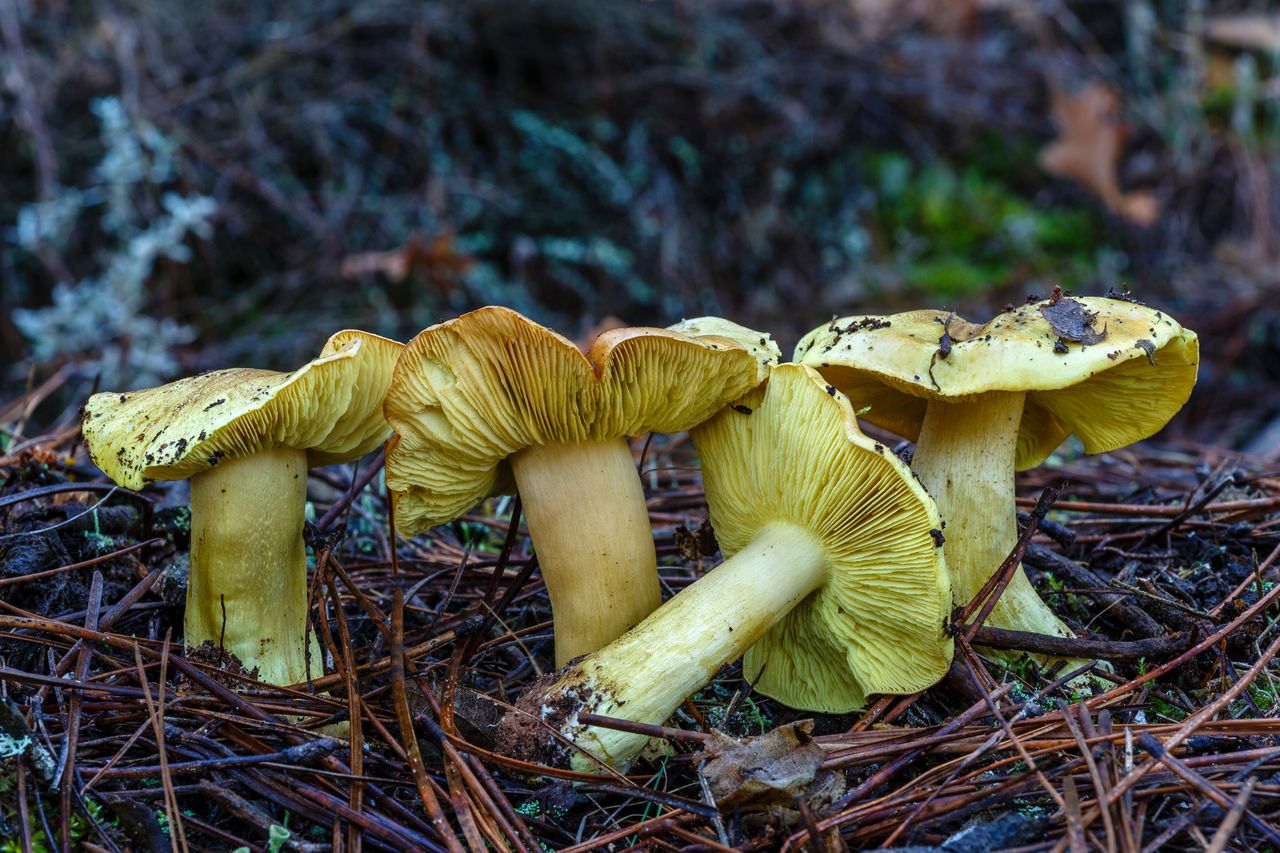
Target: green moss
{"points": [[80, 826], [952, 231]]}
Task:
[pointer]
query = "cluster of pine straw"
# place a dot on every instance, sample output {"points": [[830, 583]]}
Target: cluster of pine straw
{"points": [[117, 738]]}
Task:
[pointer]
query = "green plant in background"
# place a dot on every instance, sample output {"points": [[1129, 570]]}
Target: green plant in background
{"points": [[1166, 710], [954, 232], [1073, 603], [101, 542], [80, 825], [746, 718], [1266, 697]]}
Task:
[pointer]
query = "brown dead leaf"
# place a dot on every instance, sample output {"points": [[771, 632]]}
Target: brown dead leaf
{"points": [[771, 770], [476, 715], [877, 19], [35, 456], [693, 545], [436, 260], [1069, 320], [1090, 141]]}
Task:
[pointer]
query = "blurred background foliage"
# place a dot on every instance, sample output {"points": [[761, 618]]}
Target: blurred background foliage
{"points": [[188, 185]]}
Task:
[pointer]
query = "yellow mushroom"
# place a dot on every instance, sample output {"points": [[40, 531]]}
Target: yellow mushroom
{"points": [[246, 438], [983, 400], [491, 397]]}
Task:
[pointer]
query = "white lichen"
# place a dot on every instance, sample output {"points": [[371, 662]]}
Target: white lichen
{"points": [[103, 317]]}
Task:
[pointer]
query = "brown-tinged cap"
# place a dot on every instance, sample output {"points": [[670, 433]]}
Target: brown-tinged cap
{"points": [[876, 626], [330, 407], [469, 392], [1111, 371]]}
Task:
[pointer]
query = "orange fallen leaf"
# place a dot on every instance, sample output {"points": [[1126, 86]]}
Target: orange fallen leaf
{"points": [[877, 19], [437, 260], [1091, 138]]}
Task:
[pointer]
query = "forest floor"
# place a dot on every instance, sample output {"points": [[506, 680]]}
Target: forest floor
{"points": [[1163, 558]]}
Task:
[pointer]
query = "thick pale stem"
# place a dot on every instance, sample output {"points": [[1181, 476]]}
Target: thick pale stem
{"points": [[644, 675], [965, 458], [589, 523], [248, 586]]}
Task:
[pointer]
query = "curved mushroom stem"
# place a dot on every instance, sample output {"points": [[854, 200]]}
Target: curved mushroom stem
{"points": [[589, 523], [644, 675], [247, 592], [965, 458]]}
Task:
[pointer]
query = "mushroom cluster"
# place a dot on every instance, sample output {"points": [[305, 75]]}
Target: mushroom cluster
{"points": [[833, 585], [838, 578]]}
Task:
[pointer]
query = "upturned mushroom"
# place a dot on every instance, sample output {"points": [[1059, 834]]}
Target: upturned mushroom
{"points": [[834, 584], [246, 438], [983, 400], [492, 397]]}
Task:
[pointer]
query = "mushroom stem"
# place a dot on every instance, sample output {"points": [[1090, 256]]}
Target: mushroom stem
{"points": [[644, 675], [589, 523], [247, 591], [965, 458]]}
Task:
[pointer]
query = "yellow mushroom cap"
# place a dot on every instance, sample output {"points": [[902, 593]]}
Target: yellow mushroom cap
{"points": [[876, 626], [471, 391], [760, 345], [329, 407], [1111, 371]]}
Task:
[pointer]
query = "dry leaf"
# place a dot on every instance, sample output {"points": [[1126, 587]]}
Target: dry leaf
{"points": [[35, 455], [877, 19], [693, 545], [770, 770], [1245, 31], [1069, 319], [1090, 141], [436, 260]]}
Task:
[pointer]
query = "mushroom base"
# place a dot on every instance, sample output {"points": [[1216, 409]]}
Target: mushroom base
{"points": [[644, 675], [587, 516], [965, 458], [248, 588]]}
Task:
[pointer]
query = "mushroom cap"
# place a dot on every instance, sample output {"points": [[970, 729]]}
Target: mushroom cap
{"points": [[1111, 371], [471, 391], [330, 407], [876, 626], [759, 344]]}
